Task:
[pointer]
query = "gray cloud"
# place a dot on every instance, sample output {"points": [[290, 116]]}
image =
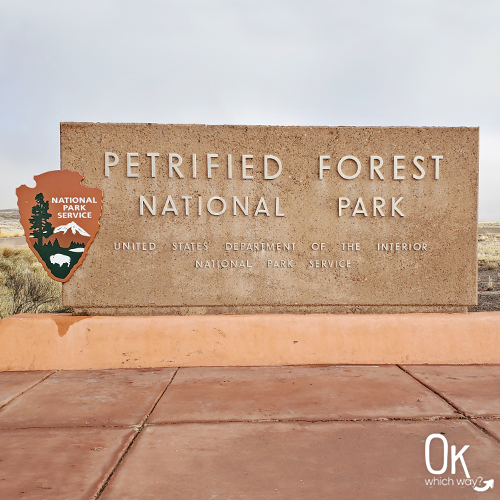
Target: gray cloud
{"points": [[245, 62]]}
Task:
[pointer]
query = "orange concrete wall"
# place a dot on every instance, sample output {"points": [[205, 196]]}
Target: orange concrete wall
{"points": [[64, 342]]}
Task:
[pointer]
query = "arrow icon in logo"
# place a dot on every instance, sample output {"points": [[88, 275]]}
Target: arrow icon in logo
{"points": [[487, 484]]}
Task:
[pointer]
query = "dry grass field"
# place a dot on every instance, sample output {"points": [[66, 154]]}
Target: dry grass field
{"points": [[26, 288], [9, 224], [488, 259], [488, 248]]}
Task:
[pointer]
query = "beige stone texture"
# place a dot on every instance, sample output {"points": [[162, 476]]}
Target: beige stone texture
{"points": [[438, 213], [52, 342]]}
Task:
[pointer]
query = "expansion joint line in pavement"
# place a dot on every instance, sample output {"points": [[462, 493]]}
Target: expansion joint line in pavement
{"points": [[138, 430], [27, 389], [306, 420], [453, 405]]}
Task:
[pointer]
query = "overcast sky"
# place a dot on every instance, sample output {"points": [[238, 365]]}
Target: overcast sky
{"points": [[309, 62]]}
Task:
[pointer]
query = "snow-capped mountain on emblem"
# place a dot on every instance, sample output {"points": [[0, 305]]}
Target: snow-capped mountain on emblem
{"points": [[68, 234], [74, 229], [59, 245]]}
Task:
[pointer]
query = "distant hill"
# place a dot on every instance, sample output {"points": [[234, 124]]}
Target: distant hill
{"points": [[10, 213], [489, 228], [9, 223]]}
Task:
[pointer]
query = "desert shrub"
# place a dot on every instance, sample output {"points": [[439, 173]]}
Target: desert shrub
{"points": [[25, 287], [490, 285]]}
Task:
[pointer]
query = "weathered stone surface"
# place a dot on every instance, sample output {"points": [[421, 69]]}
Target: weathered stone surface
{"points": [[420, 255]]}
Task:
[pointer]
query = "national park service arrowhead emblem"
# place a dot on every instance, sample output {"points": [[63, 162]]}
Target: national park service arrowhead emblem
{"points": [[60, 218]]}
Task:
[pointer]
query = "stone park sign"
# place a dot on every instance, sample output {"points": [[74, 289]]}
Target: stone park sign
{"points": [[249, 219]]}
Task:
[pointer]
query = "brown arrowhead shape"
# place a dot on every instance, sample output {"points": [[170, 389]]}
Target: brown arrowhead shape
{"points": [[60, 218]]}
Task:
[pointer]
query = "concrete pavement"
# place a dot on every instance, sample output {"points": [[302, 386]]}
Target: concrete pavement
{"points": [[285, 432]]}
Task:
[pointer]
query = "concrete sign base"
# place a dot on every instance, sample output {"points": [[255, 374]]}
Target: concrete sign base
{"points": [[65, 342]]}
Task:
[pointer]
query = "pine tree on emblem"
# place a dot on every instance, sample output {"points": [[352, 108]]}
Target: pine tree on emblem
{"points": [[39, 224]]}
